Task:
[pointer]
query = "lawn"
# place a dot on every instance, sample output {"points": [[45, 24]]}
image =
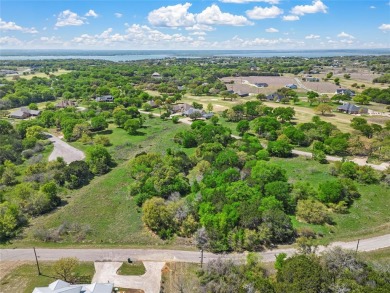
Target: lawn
{"points": [[379, 257], [24, 278], [41, 74], [367, 217], [132, 269], [104, 207]]}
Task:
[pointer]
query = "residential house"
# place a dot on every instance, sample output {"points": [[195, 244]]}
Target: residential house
{"points": [[105, 98], [208, 115], [182, 107], [291, 86], [24, 113], [275, 97], [242, 94], [261, 84], [8, 72], [156, 75], [310, 78], [345, 92], [64, 287], [352, 109], [65, 104], [192, 111]]}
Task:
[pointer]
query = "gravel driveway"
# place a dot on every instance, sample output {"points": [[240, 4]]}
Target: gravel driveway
{"points": [[63, 149], [149, 282]]}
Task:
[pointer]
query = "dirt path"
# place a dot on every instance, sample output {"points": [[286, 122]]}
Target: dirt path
{"points": [[64, 150], [150, 282]]}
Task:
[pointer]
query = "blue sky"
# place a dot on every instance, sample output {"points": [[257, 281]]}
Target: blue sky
{"points": [[219, 24]]}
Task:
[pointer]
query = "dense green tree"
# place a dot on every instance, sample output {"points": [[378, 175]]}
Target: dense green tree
{"points": [[301, 273], [98, 159], [156, 215], [98, 123]]}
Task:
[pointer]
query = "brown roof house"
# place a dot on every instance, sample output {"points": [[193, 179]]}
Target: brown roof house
{"points": [[65, 104]]}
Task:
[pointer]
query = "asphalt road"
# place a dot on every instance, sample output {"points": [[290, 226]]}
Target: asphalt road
{"points": [[164, 255]]}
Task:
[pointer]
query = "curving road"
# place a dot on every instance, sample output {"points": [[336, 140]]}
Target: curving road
{"points": [[164, 255], [64, 150]]}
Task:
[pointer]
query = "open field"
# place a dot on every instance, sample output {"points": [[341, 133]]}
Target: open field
{"points": [[274, 83], [378, 257], [40, 74], [367, 217], [104, 205], [24, 278]]}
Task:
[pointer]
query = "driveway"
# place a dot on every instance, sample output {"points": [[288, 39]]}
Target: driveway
{"points": [[149, 282], [64, 150]]}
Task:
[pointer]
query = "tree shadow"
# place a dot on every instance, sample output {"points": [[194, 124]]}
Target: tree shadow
{"points": [[104, 132]]}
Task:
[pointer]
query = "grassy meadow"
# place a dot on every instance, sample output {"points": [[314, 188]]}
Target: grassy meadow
{"points": [[368, 216], [24, 278]]}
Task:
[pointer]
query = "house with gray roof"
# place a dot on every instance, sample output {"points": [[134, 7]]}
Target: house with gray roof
{"points": [[275, 97], [24, 113], [65, 287], [291, 86], [351, 109], [345, 92], [105, 98]]}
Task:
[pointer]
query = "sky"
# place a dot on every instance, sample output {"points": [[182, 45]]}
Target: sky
{"points": [[195, 25]]}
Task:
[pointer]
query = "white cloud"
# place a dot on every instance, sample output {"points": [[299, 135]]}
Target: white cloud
{"points": [[372, 7], [178, 16], [213, 15], [69, 18], [312, 37], [385, 27], [91, 13], [200, 27], [198, 34], [345, 35], [118, 15], [10, 41], [263, 13], [248, 1], [172, 16], [317, 6], [290, 17], [271, 30], [51, 40], [12, 26]]}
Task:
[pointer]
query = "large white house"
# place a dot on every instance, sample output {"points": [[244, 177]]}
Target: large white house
{"points": [[64, 287]]}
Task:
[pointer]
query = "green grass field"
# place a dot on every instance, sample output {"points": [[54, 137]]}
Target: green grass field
{"points": [[105, 205], [132, 269], [368, 216], [24, 278]]}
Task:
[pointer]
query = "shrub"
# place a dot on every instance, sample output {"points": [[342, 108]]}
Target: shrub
{"points": [[312, 211]]}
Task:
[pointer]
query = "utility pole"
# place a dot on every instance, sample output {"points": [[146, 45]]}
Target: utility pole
{"points": [[36, 259], [357, 246], [201, 258]]}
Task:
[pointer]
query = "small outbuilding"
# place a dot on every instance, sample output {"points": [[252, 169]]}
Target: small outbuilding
{"points": [[105, 98]]}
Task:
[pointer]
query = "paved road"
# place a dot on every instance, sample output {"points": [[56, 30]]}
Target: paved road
{"points": [[63, 149], [164, 255]]}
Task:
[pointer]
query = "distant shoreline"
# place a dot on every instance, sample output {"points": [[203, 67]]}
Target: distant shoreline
{"points": [[134, 55]]}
